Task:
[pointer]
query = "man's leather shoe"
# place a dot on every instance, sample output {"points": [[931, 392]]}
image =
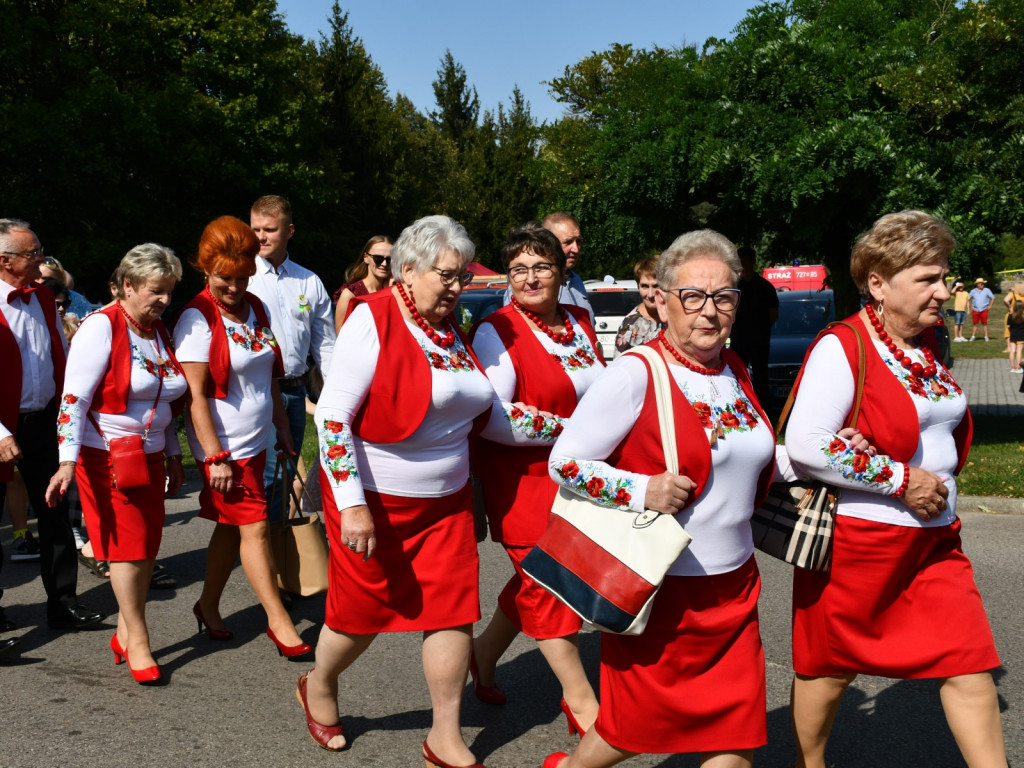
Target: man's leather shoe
{"points": [[8, 645], [74, 617]]}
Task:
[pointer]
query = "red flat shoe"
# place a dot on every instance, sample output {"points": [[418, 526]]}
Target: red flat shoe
{"points": [[487, 694], [574, 726], [554, 760], [290, 651], [433, 761], [120, 656], [214, 634], [321, 734]]}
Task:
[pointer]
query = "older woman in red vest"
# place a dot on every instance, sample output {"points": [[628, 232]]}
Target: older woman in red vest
{"points": [[900, 600], [121, 396], [694, 681], [537, 351], [394, 423], [232, 362]]}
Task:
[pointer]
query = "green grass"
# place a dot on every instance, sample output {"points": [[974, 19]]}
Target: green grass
{"points": [[997, 454], [309, 448]]}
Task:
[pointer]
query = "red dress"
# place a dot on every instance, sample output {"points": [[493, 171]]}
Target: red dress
{"points": [[518, 492], [899, 601]]}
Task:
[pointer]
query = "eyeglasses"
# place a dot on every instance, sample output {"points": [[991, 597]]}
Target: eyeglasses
{"points": [[543, 270], [694, 299], [52, 263], [448, 276], [378, 259], [64, 304], [35, 253]]}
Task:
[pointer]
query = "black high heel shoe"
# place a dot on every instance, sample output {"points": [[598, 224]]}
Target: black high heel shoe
{"points": [[214, 634]]}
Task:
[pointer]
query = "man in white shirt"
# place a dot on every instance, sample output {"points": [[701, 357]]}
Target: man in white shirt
{"points": [[301, 318], [566, 228], [34, 352]]}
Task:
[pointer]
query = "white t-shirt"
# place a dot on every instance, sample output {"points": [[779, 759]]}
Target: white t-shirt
{"points": [[85, 370], [434, 460], [718, 521], [245, 417], [822, 404]]}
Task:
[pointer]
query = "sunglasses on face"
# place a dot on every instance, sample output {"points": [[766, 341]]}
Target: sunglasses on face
{"points": [[379, 260]]}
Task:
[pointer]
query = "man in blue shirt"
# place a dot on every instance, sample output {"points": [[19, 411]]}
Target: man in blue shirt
{"points": [[981, 300]]}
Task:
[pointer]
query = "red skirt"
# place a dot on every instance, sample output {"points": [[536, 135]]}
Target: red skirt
{"points": [[694, 681], [123, 525], [245, 503], [534, 610], [424, 574], [899, 602]]}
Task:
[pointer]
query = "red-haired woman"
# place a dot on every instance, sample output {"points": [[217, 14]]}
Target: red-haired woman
{"points": [[368, 275], [232, 362]]}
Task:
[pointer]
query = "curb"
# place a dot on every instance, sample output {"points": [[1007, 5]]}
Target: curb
{"points": [[990, 505]]}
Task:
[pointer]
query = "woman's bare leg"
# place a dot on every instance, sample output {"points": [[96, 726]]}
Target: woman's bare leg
{"points": [[335, 652], [972, 711], [814, 703]]}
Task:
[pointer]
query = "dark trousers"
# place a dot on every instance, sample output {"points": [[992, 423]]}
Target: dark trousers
{"points": [[58, 558], [756, 357]]}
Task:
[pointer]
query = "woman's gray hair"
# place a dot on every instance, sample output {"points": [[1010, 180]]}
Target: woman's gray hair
{"points": [[145, 262], [423, 242], [699, 244]]}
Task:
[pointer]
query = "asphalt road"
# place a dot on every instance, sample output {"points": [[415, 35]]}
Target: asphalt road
{"points": [[64, 703]]}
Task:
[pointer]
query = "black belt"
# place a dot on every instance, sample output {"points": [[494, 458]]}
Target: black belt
{"points": [[293, 382]]}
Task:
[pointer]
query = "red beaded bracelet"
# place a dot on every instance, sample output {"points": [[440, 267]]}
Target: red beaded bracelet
{"points": [[217, 458], [903, 486]]}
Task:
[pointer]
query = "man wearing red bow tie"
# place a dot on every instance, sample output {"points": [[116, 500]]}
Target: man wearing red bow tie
{"points": [[34, 350]]}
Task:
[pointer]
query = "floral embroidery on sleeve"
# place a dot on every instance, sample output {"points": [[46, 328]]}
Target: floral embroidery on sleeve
{"points": [[591, 480], [336, 451], [859, 467], [68, 418], [534, 427]]}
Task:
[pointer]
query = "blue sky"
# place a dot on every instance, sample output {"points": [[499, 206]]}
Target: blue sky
{"points": [[505, 44]]}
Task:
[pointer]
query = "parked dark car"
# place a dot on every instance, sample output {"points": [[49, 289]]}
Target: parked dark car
{"points": [[801, 315], [476, 304]]}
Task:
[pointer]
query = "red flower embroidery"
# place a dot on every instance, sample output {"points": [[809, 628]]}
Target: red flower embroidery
{"points": [[256, 346], [340, 475], [740, 405], [751, 420], [622, 497], [883, 475], [336, 452], [557, 430], [516, 413], [538, 423], [333, 426], [569, 470], [860, 462], [64, 418], [71, 399], [594, 486], [730, 420], [836, 446], [236, 337]]}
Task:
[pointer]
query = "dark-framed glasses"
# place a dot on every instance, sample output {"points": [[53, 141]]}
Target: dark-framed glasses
{"points": [[694, 299], [35, 253], [519, 273], [63, 304], [379, 259], [449, 276]]}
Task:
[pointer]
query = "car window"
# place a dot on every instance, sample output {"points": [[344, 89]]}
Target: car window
{"points": [[799, 317], [613, 302]]}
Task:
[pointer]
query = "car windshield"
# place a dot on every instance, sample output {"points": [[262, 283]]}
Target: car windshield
{"points": [[802, 317], [613, 303]]}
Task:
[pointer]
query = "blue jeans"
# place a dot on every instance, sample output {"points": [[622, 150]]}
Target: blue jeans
{"points": [[295, 407]]}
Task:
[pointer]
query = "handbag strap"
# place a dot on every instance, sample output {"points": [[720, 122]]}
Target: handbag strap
{"points": [[289, 493], [858, 393], [152, 413], [663, 401]]}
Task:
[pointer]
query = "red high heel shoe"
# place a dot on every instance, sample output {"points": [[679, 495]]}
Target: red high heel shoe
{"points": [[145, 676], [554, 760], [120, 656], [214, 634], [290, 651], [487, 694], [321, 734], [574, 726], [433, 761]]}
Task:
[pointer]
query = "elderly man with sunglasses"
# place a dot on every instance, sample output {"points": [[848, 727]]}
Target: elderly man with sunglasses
{"points": [[34, 350], [301, 317]]}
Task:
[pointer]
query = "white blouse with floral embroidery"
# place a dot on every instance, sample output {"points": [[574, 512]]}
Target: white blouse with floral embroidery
{"points": [[434, 460], [822, 403], [85, 371], [719, 520]]}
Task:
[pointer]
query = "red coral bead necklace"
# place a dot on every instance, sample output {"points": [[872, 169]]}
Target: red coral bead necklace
{"points": [[444, 342], [686, 363], [563, 337], [131, 319], [921, 371], [235, 310]]}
